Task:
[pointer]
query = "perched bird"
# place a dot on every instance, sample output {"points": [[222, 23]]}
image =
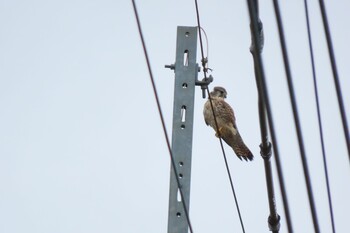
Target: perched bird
{"points": [[226, 121]]}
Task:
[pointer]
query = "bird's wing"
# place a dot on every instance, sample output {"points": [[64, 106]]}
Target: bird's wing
{"points": [[206, 112], [227, 113]]}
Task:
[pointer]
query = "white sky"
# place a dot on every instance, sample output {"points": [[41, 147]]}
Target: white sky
{"points": [[81, 144]]}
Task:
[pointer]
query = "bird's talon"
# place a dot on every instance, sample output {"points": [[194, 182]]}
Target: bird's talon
{"points": [[219, 132]]}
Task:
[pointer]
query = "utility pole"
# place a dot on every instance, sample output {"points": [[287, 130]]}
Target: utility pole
{"points": [[186, 70]]}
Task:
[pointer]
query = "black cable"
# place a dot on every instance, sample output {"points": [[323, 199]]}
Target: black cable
{"points": [[319, 115], [161, 118], [216, 123], [265, 146], [261, 82], [296, 115], [335, 75]]}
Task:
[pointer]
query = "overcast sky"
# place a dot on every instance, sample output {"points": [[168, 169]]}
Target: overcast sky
{"points": [[81, 143]]}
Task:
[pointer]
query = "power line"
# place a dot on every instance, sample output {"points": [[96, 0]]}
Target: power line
{"points": [[296, 115], [262, 86], [204, 62], [319, 114], [265, 146], [161, 117], [335, 75]]}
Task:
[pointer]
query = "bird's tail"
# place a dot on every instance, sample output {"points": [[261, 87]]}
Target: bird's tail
{"points": [[239, 147]]}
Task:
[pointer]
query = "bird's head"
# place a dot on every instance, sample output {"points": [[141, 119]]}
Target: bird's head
{"points": [[219, 92]]}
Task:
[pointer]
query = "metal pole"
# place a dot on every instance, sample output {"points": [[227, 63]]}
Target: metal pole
{"points": [[186, 71]]}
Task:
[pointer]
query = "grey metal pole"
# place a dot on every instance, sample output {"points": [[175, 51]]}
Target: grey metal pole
{"points": [[186, 71]]}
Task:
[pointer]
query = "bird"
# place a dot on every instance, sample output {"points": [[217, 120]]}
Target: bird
{"points": [[226, 122]]}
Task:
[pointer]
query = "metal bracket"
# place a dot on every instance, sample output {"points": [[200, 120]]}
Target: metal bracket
{"points": [[203, 84]]}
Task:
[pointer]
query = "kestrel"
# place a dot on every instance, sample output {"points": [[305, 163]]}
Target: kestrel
{"points": [[226, 121]]}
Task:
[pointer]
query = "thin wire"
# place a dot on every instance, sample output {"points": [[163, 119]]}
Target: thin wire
{"points": [[335, 75], [296, 115], [161, 117], [319, 115], [216, 123], [261, 82], [226, 163]]}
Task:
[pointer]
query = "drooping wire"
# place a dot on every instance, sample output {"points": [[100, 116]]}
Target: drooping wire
{"points": [[319, 114], [335, 75], [261, 83], [200, 39], [296, 115], [207, 43], [161, 117], [204, 63]]}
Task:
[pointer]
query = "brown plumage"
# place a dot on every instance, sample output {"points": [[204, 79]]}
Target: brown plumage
{"points": [[226, 120]]}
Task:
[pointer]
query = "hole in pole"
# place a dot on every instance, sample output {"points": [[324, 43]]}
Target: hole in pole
{"points": [[187, 34], [184, 85], [183, 113], [182, 126], [178, 214], [181, 163], [186, 58], [180, 175], [178, 195]]}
